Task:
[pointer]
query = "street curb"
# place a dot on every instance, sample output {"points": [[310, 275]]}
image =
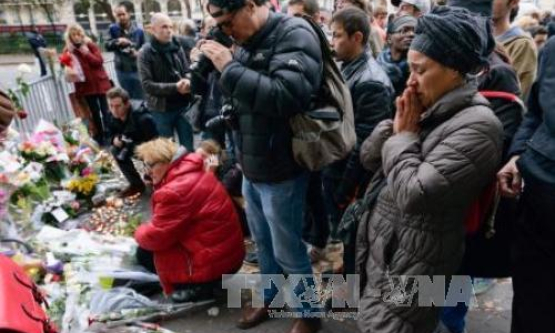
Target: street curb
{"points": [[16, 59]]}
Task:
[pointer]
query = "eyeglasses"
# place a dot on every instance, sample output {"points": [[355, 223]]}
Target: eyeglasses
{"points": [[149, 166]]}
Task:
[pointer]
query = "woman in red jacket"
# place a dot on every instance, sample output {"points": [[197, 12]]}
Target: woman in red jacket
{"points": [[194, 234], [91, 80]]}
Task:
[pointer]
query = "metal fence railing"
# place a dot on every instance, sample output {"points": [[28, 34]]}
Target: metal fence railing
{"points": [[48, 99]]}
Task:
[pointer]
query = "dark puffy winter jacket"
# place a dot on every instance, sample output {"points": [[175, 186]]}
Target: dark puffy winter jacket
{"points": [[372, 95], [139, 127], [272, 78]]}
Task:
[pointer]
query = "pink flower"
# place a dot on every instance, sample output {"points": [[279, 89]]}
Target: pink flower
{"points": [[87, 171], [75, 205]]}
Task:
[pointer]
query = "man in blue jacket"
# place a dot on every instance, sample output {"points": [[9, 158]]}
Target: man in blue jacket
{"points": [[125, 39], [533, 163]]}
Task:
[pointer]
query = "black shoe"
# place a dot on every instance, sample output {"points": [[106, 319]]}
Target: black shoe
{"points": [[192, 294], [251, 258], [131, 190]]}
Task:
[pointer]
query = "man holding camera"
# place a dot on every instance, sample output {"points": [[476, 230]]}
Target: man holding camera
{"points": [[269, 79], [129, 128], [125, 39]]}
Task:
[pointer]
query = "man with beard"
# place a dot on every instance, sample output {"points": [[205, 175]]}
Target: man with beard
{"points": [[126, 38]]}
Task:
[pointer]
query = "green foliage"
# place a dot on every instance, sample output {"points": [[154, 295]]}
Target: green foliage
{"points": [[16, 43]]}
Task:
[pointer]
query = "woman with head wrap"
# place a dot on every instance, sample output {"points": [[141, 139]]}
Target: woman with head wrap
{"points": [[436, 157]]}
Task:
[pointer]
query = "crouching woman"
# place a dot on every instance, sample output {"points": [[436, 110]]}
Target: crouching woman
{"points": [[194, 235]]}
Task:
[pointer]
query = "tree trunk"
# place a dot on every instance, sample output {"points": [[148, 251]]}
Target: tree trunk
{"points": [[188, 6]]}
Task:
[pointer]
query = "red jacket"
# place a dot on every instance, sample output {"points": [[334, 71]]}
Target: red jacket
{"points": [[97, 81], [194, 233]]}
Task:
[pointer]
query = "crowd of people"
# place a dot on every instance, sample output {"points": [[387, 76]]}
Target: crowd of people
{"points": [[452, 171]]}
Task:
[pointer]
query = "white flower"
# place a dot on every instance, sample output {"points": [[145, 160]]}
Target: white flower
{"points": [[24, 69]]}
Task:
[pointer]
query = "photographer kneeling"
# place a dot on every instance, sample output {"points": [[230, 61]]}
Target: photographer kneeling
{"points": [[129, 128]]}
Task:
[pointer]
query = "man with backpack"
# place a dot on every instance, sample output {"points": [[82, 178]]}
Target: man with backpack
{"points": [[271, 78], [372, 95]]}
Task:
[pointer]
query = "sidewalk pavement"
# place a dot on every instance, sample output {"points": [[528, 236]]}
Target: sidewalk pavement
{"points": [[491, 314]]}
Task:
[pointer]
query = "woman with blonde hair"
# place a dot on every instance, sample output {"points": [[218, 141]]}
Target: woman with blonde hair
{"points": [[85, 68], [194, 236]]}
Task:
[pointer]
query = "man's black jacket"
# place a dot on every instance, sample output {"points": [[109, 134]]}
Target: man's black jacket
{"points": [[139, 127], [273, 77]]}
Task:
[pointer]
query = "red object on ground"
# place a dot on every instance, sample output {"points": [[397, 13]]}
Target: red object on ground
{"points": [[21, 302], [194, 233]]}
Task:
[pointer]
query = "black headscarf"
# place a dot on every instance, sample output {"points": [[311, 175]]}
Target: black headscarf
{"points": [[456, 38]]}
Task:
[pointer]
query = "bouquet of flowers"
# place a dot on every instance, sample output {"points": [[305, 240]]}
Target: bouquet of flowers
{"points": [[83, 187], [37, 151], [81, 161]]}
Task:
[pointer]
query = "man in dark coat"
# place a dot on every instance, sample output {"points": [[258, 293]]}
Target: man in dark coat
{"points": [[272, 77], [163, 69], [125, 39], [129, 127], [372, 96], [533, 161], [38, 44]]}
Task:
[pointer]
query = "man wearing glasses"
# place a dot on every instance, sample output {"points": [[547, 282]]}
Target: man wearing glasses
{"points": [[269, 79], [393, 59]]}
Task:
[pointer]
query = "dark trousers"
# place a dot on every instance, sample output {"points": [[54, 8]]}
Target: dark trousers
{"points": [[131, 82], [533, 257], [334, 213], [316, 226], [100, 115], [126, 166]]}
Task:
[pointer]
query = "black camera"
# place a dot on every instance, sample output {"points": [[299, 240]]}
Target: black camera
{"points": [[126, 151], [128, 49], [227, 117], [201, 68]]}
